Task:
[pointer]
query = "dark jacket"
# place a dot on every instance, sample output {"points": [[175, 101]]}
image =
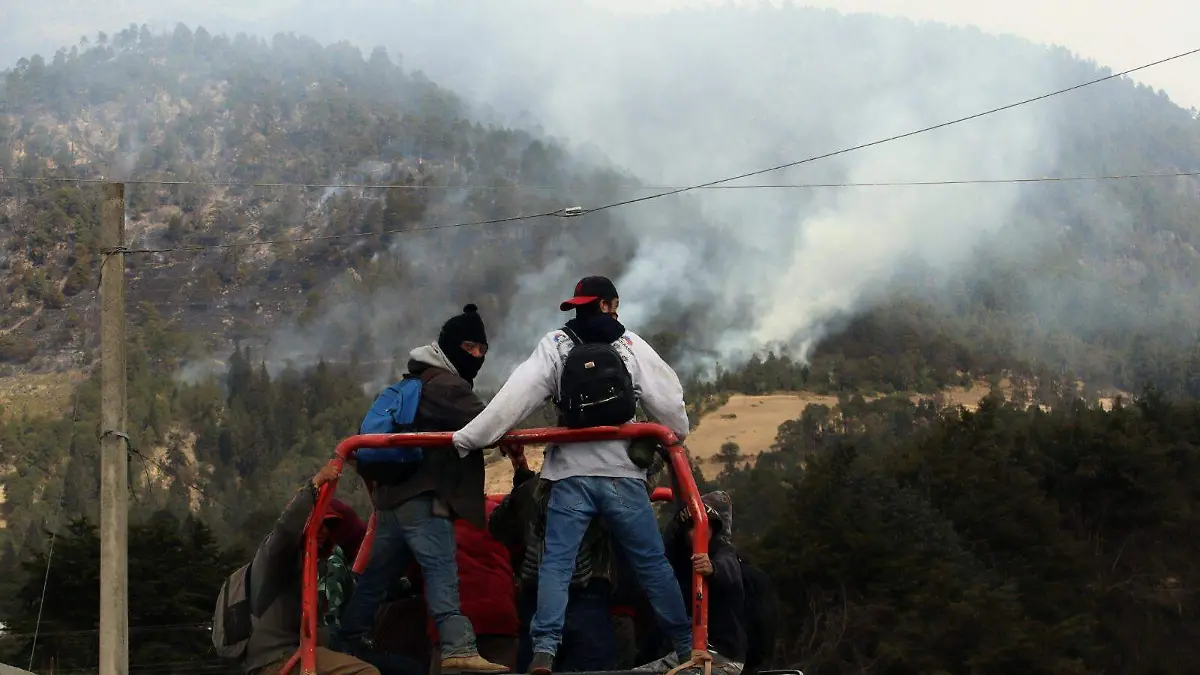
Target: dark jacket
{"points": [[519, 522], [275, 582], [447, 403], [726, 595]]}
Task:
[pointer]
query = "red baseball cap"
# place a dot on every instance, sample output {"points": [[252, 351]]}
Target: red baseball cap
{"points": [[589, 290]]}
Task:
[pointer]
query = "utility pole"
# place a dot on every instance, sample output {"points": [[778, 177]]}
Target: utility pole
{"points": [[114, 496]]}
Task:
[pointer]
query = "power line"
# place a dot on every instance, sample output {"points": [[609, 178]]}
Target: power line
{"points": [[576, 211], [898, 136], [562, 213], [307, 186], [671, 190], [969, 181], [171, 470], [680, 188]]}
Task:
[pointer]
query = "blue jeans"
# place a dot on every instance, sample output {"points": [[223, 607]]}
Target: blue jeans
{"points": [[401, 534], [624, 506]]}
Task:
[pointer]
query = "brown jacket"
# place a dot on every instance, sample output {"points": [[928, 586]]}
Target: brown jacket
{"points": [[447, 403]]}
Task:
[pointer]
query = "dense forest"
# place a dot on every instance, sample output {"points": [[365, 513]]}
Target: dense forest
{"points": [[905, 537]]}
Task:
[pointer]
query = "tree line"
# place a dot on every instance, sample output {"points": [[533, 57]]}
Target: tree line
{"points": [[903, 538]]}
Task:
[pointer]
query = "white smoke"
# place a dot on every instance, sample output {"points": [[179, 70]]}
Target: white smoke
{"points": [[688, 97], [692, 96], [696, 95]]}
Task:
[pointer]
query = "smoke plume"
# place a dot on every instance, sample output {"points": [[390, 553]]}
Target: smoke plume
{"points": [[688, 97], [693, 96]]}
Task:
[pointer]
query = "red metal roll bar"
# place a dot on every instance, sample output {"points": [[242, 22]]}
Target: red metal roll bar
{"points": [[677, 460]]}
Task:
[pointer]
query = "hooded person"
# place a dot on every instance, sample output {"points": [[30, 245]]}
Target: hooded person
{"points": [[343, 531], [727, 621], [416, 503], [276, 575], [347, 528]]}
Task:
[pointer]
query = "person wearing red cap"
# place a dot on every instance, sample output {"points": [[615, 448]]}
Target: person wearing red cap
{"points": [[592, 479]]}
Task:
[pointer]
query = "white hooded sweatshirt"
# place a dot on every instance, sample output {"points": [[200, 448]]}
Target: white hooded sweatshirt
{"points": [[537, 380]]}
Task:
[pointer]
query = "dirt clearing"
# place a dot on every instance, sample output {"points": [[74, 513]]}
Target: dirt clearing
{"points": [[38, 394]]}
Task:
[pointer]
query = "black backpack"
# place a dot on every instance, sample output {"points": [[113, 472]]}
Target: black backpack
{"points": [[596, 389], [762, 617]]}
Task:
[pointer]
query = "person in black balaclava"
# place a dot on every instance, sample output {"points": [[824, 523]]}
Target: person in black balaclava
{"points": [[463, 341], [418, 502]]}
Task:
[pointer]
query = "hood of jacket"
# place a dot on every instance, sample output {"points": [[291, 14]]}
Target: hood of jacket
{"points": [[719, 507], [431, 355], [720, 503]]}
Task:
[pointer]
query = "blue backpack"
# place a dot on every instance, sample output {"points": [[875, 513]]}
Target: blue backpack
{"points": [[393, 411]]}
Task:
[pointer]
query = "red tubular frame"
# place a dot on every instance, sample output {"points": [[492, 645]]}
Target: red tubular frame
{"points": [[676, 456]]}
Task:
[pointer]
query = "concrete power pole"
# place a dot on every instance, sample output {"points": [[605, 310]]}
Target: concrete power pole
{"points": [[114, 496]]}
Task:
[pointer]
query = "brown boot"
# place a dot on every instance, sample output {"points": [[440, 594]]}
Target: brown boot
{"points": [[470, 664], [542, 664]]}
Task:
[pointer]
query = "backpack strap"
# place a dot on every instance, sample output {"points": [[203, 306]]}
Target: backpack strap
{"points": [[250, 589], [560, 420], [571, 334]]}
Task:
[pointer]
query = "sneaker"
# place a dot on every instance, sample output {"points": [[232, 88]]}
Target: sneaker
{"points": [[470, 664], [661, 665], [541, 664], [720, 665]]}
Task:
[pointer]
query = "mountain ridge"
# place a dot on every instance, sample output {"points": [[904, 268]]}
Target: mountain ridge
{"points": [[419, 125]]}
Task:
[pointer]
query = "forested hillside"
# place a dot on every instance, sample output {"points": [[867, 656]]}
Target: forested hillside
{"points": [[193, 107], [1087, 278]]}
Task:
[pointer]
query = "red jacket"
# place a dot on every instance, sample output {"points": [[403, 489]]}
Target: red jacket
{"points": [[487, 589]]}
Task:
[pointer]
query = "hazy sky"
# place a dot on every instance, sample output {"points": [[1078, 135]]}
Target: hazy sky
{"points": [[1117, 34]]}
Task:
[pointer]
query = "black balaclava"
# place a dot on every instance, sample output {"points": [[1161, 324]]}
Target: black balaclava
{"points": [[592, 326], [466, 327]]}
